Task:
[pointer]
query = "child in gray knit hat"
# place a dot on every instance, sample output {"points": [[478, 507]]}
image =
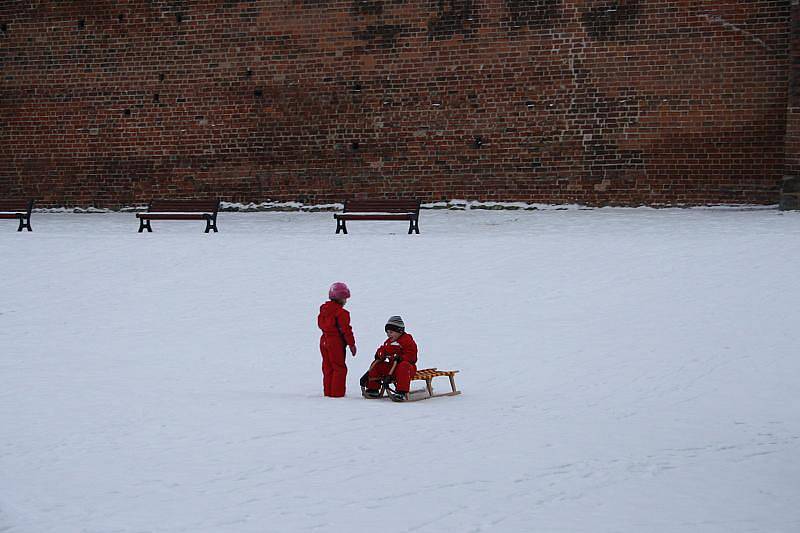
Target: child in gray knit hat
{"points": [[396, 357]]}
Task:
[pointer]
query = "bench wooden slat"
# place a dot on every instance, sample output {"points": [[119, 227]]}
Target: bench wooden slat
{"points": [[19, 209], [174, 216], [16, 205], [387, 206], [382, 206], [376, 213], [210, 206], [371, 216]]}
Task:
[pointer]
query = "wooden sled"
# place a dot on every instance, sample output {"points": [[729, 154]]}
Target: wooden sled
{"points": [[425, 375]]}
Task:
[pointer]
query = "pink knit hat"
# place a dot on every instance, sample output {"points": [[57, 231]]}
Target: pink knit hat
{"points": [[338, 291]]}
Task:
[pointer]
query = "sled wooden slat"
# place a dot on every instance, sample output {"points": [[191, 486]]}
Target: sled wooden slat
{"points": [[427, 375]]}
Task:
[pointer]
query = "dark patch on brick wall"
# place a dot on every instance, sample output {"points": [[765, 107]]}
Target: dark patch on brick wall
{"points": [[605, 160], [378, 33], [794, 82], [315, 3], [171, 6], [227, 4], [601, 120], [533, 13], [612, 21], [381, 35], [794, 70], [791, 169], [368, 7], [453, 17]]}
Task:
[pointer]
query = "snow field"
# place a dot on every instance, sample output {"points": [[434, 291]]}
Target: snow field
{"points": [[624, 370]]}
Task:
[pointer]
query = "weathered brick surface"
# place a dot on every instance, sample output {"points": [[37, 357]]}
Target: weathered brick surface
{"points": [[791, 178], [598, 102]]}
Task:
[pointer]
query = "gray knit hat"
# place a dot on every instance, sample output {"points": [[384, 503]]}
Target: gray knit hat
{"points": [[395, 323]]}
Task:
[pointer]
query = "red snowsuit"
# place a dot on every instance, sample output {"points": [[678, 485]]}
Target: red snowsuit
{"points": [[334, 321], [406, 349]]}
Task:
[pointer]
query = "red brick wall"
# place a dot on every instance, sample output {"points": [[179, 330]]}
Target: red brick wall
{"points": [[792, 142], [597, 102]]}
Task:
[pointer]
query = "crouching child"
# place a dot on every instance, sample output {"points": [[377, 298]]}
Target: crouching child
{"points": [[395, 359]]}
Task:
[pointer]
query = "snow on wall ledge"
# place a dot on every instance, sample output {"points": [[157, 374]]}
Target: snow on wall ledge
{"points": [[456, 205]]}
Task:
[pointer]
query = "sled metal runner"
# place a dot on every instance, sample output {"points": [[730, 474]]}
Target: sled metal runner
{"points": [[425, 375]]}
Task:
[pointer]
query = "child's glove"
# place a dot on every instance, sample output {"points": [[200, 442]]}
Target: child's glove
{"points": [[397, 358], [353, 350]]}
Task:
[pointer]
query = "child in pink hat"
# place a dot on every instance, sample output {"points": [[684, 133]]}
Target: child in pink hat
{"points": [[334, 321]]}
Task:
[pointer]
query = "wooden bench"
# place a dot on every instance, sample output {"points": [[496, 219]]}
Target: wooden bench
{"points": [[180, 210], [19, 210], [401, 209]]}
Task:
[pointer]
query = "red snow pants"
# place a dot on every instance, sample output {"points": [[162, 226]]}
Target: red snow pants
{"points": [[334, 369], [402, 375]]}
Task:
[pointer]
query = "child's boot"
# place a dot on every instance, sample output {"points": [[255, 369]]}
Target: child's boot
{"points": [[398, 396]]}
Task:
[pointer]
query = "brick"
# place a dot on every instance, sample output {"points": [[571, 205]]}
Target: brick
{"points": [[612, 102]]}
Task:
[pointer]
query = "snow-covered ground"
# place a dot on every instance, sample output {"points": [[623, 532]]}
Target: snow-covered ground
{"points": [[623, 370]]}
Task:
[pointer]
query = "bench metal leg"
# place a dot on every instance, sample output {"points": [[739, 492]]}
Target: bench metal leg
{"points": [[144, 225], [340, 226], [211, 223], [23, 224], [413, 226]]}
